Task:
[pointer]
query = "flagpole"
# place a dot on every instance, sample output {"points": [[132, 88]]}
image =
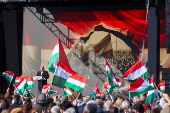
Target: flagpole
{"points": [[59, 90]]}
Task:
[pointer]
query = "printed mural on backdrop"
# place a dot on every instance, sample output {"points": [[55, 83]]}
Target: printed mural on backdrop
{"points": [[95, 35]]}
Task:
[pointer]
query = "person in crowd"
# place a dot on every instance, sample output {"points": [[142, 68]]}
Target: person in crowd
{"points": [[70, 110], [90, 107], [55, 109], [16, 103], [43, 81], [26, 108], [41, 104], [138, 108], [34, 111], [16, 110], [147, 107], [107, 105], [99, 103], [125, 106], [103, 97], [5, 105], [119, 103], [143, 97], [65, 105], [50, 106], [158, 110], [80, 104], [113, 110], [136, 100]]}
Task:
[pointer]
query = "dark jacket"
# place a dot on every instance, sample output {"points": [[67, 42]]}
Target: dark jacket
{"points": [[15, 105], [81, 106], [45, 75], [40, 107]]}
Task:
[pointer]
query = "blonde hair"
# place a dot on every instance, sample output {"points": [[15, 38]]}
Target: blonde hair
{"points": [[33, 111], [119, 103], [16, 110]]}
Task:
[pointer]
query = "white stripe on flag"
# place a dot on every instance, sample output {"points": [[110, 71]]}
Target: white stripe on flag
{"points": [[66, 90], [21, 84], [61, 73], [56, 49], [76, 82], [137, 73], [30, 82]]}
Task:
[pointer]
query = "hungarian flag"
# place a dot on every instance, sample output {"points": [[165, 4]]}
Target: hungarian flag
{"points": [[21, 86], [151, 96], [96, 91], [140, 87], [47, 90], [155, 104], [108, 88], [61, 74], [26, 92], [67, 91], [30, 82], [76, 82], [112, 80], [136, 71], [9, 75], [58, 54], [161, 86]]}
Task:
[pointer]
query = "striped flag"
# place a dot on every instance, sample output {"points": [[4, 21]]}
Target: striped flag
{"points": [[161, 86], [61, 74], [67, 91], [140, 87], [17, 79], [112, 80], [30, 82], [96, 91], [21, 86], [151, 96], [76, 82], [9, 75], [57, 55], [47, 90], [108, 88], [136, 71]]}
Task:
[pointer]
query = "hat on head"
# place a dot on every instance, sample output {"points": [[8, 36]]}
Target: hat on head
{"points": [[65, 105], [138, 107]]}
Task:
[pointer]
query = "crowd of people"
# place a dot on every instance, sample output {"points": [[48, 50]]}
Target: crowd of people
{"points": [[77, 103]]}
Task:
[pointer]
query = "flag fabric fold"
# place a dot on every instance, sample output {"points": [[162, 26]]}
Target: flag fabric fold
{"points": [[61, 74], [96, 91], [161, 86], [21, 86], [112, 80], [76, 82], [108, 88], [9, 75], [151, 96], [67, 91], [140, 87], [136, 71], [47, 90], [30, 82], [58, 54]]}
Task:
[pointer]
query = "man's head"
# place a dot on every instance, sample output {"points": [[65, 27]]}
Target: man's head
{"points": [[65, 105], [42, 68], [90, 107], [70, 110], [99, 102], [55, 109], [16, 98], [138, 108], [103, 97], [125, 104], [108, 104], [42, 98], [135, 100]]}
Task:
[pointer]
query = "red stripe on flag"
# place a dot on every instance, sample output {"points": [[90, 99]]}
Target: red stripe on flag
{"points": [[133, 68], [19, 82], [137, 84], [79, 78], [68, 89], [66, 68], [161, 84], [29, 79]]}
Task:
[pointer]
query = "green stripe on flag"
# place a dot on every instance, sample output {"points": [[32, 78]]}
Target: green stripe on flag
{"points": [[54, 58], [73, 86], [135, 93], [58, 81], [145, 76], [151, 98]]}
